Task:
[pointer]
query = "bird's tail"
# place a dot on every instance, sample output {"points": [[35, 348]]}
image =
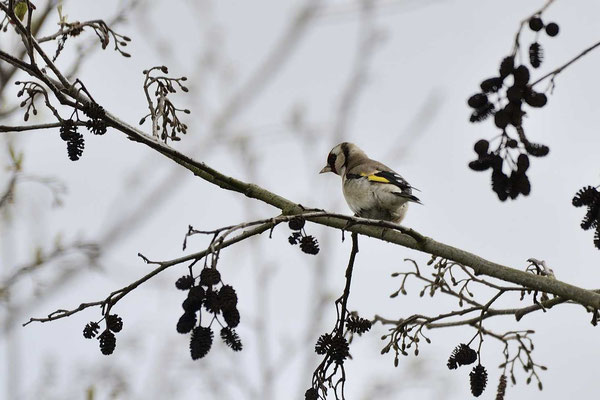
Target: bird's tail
{"points": [[414, 199], [409, 197]]}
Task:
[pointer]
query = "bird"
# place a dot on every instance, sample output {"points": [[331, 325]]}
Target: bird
{"points": [[371, 189]]}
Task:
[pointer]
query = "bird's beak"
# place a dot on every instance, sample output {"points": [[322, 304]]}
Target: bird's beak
{"points": [[326, 168]]}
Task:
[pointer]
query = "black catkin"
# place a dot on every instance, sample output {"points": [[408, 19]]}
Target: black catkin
{"points": [[536, 55]]}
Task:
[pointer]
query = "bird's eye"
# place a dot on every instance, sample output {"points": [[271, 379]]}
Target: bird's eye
{"points": [[331, 160]]}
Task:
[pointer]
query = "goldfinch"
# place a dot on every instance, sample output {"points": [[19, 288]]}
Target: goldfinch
{"points": [[372, 190]]}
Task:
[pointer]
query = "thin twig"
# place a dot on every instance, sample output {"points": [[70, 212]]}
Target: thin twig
{"points": [[22, 128], [344, 299], [91, 249], [525, 21], [114, 297], [567, 64]]}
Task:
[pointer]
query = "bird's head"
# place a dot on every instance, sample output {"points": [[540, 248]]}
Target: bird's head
{"points": [[341, 156]]}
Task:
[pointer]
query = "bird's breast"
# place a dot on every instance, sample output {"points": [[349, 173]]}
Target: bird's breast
{"points": [[374, 200]]}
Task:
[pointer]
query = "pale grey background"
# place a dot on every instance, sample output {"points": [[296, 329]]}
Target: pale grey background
{"points": [[411, 114]]}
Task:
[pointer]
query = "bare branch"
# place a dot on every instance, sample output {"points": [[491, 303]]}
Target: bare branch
{"points": [[114, 297], [90, 249], [22, 128], [552, 74], [8, 192]]}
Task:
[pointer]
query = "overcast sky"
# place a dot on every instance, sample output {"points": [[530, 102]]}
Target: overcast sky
{"points": [[424, 59]]}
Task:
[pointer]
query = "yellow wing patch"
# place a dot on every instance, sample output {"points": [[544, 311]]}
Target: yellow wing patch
{"points": [[374, 178]]}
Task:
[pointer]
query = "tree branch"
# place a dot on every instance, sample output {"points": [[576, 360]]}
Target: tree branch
{"points": [[22, 128], [426, 245], [89, 249], [119, 294], [413, 241], [372, 229], [344, 299], [562, 67]]}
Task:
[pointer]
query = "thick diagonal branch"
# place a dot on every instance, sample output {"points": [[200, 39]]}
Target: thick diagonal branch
{"points": [[62, 88]]}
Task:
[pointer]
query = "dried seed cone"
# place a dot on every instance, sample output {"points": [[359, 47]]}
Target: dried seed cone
{"points": [[462, 355], [200, 342], [478, 379], [108, 342], [501, 388]]}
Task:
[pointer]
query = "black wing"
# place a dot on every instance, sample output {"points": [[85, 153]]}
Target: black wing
{"points": [[396, 180]]}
